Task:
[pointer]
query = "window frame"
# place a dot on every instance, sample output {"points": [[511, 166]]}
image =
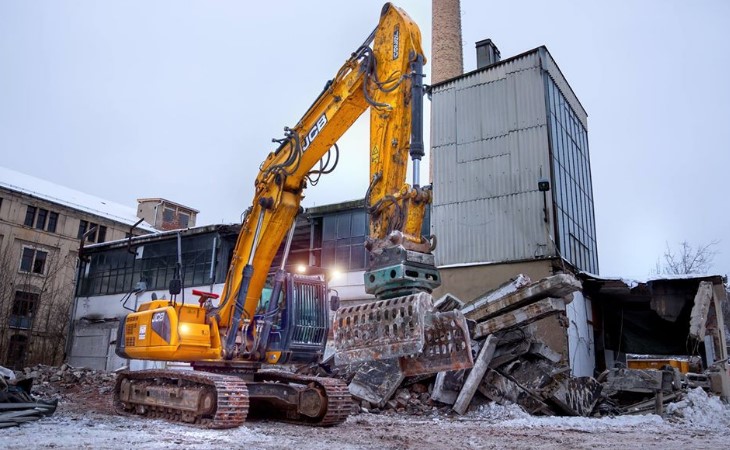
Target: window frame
{"points": [[34, 260], [29, 303], [52, 222], [29, 215], [41, 218]]}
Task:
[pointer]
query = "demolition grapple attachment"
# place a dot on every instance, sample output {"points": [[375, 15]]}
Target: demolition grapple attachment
{"points": [[408, 328]]}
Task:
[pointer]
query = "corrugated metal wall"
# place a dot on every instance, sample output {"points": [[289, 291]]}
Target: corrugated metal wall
{"points": [[489, 149]]}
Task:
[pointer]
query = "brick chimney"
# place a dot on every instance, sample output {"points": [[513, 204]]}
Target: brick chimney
{"points": [[447, 60]]}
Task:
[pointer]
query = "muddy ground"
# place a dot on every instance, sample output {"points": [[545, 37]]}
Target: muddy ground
{"points": [[84, 419]]}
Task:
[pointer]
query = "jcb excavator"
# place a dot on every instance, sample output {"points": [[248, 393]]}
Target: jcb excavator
{"points": [[228, 343]]}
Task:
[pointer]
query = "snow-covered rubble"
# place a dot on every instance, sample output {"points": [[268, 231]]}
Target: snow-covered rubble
{"points": [[701, 410]]}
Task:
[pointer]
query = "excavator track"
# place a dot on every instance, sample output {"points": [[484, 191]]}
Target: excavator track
{"points": [[339, 401], [223, 399]]}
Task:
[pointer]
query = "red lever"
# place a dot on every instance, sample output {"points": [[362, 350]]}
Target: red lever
{"points": [[204, 295]]}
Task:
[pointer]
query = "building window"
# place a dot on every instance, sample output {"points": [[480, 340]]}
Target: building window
{"points": [[83, 225], [115, 271], [101, 235], [98, 235], [24, 307], [183, 219], [168, 215], [29, 216], [573, 191], [33, 261], [52, 222], [40, 221], [343, 241]]}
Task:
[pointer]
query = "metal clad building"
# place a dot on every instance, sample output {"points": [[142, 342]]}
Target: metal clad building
{"points": [[496, 132]]}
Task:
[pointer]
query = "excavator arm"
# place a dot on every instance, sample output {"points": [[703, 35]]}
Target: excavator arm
{"points": [[380, 78]]}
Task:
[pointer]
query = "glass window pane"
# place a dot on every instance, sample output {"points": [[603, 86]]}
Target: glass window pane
{"points": [[82, 228], [558, 184], [343, 225], [39, 264], [29, 216], [52, 222], [183, 220], [92, 234], [40, 222], [358, 261], [328, 254], [168, 215], [102, 234], [26, 262], [359, 223], [342, 257], [329, 228]]}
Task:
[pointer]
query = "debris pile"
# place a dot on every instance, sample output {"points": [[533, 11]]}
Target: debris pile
{"points": [[512, 365], [64, 381], [16, 403]]}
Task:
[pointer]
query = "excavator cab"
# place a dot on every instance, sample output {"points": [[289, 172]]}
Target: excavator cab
{"points": [[299, 321]]}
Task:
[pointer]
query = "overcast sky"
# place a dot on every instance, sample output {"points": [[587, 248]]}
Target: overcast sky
{"points": [[180, 99]]}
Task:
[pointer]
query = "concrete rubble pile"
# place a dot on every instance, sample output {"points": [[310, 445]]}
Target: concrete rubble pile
{"points": [[512, 365], [56, 382], [660, 390]]}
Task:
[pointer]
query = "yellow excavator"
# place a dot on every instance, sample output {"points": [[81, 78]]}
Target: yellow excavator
{"points": [[233, 341]]}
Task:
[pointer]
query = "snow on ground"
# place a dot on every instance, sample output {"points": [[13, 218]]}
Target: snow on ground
{"points": [[512, 416], [703, 423]]}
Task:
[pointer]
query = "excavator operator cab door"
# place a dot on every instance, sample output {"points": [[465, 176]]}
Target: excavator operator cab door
{"points": [[301, 322]]}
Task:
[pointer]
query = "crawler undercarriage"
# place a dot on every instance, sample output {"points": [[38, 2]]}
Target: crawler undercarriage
{"points": [[223, 396]]}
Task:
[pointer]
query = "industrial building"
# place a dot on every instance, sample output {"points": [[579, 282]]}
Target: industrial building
{"points": [[511, 173], [116, 277]]}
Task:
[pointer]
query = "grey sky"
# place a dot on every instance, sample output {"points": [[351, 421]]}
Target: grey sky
{"points": [[180, 99]]}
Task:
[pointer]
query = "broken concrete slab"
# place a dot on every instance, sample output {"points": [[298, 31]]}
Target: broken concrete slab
{"points": [[506, 353], [521, 316], [502, 390], [505, 289], [576, 396], [376, 381], [475, 375], [544, 351], [698, 316], [636, 380], [556, 286], [447, 386], [645, 406], [448, 303], [535, 375]]}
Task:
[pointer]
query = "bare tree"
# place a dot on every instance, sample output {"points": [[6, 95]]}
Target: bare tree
{"points": [[687, 259], [7, 257], [47, 332]]}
